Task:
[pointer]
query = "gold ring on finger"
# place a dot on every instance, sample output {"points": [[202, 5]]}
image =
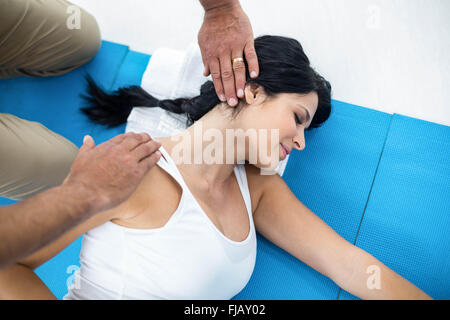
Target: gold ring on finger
{"points": [[237, 60]]}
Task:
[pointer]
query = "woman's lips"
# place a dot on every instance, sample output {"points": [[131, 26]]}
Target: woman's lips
{"points": [[288, 151], [285, 152]]}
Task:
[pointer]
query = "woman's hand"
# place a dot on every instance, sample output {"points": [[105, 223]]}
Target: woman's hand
{"points": [[227, 34]]}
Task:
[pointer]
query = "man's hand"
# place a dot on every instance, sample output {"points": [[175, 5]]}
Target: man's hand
{"points": [[100, 178], [227, 34], [109, 173]]}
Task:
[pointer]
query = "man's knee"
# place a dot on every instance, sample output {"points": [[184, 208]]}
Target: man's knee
{"points": [[48, 38], [83, 38], [33, 158], [84, 31]]}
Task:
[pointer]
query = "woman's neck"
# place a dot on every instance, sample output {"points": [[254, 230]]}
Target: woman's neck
{"points": [[205, 153]]}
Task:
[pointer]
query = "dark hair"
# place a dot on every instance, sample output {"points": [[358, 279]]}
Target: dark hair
{"points": [[283, 68]]}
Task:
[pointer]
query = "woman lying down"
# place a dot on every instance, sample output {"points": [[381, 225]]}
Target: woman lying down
{"points": [[189, 230]]}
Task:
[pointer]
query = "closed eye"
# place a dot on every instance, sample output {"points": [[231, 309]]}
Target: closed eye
{"points": [[298, 119]]}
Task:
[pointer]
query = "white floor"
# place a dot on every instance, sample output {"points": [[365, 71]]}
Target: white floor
{"points": [[388, 55]]}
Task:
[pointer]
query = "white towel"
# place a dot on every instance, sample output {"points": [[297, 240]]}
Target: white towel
{"points": [[171, 74]]}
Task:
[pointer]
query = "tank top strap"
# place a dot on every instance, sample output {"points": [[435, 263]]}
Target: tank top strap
{"points": [[241, 177], [166, 162]]}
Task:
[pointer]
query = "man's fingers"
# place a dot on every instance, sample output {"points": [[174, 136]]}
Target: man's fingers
{"points": [[205, 63], [227, 74], [239, 73], [216, 76], [118, 139], [206, 71], [132, 140], [150, 161], [252, 59], [88, 143], [146, 149]]}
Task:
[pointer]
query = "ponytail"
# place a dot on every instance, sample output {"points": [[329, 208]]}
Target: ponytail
{"points": [[113, 109]]}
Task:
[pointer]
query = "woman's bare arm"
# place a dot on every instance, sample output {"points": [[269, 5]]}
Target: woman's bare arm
{"points": [[285, 221], [19, 282]]}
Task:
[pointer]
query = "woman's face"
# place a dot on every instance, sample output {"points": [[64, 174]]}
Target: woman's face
{"points": [[289, 114]]}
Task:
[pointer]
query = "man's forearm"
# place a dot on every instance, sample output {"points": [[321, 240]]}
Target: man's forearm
{"points": [[210, 5], [33, 223], [372, 280]]}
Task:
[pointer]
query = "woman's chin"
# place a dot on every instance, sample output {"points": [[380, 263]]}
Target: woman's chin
{"points": [[268, 166]]}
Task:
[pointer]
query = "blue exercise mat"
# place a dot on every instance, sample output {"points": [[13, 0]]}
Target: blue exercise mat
{"points": [[407, 221], [344, 175], [55, 101]]}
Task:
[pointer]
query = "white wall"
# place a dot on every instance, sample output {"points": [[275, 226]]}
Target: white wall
{"points": [[388, 55]]}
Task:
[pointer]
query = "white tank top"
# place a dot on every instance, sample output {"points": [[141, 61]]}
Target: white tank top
{"points": [[188, 258]]}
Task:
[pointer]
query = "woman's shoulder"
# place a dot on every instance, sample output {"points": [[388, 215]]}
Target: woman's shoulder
{"points": [[257, 183], [156, 195]]}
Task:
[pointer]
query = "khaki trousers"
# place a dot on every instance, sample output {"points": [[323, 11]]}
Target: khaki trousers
{"points": [[39, 38]]}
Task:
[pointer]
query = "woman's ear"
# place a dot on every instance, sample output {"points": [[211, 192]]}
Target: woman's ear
{"points": [[253, 93], [249, 95]]}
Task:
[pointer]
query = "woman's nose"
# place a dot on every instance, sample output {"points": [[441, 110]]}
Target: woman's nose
{"points": [[299, 141]]}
